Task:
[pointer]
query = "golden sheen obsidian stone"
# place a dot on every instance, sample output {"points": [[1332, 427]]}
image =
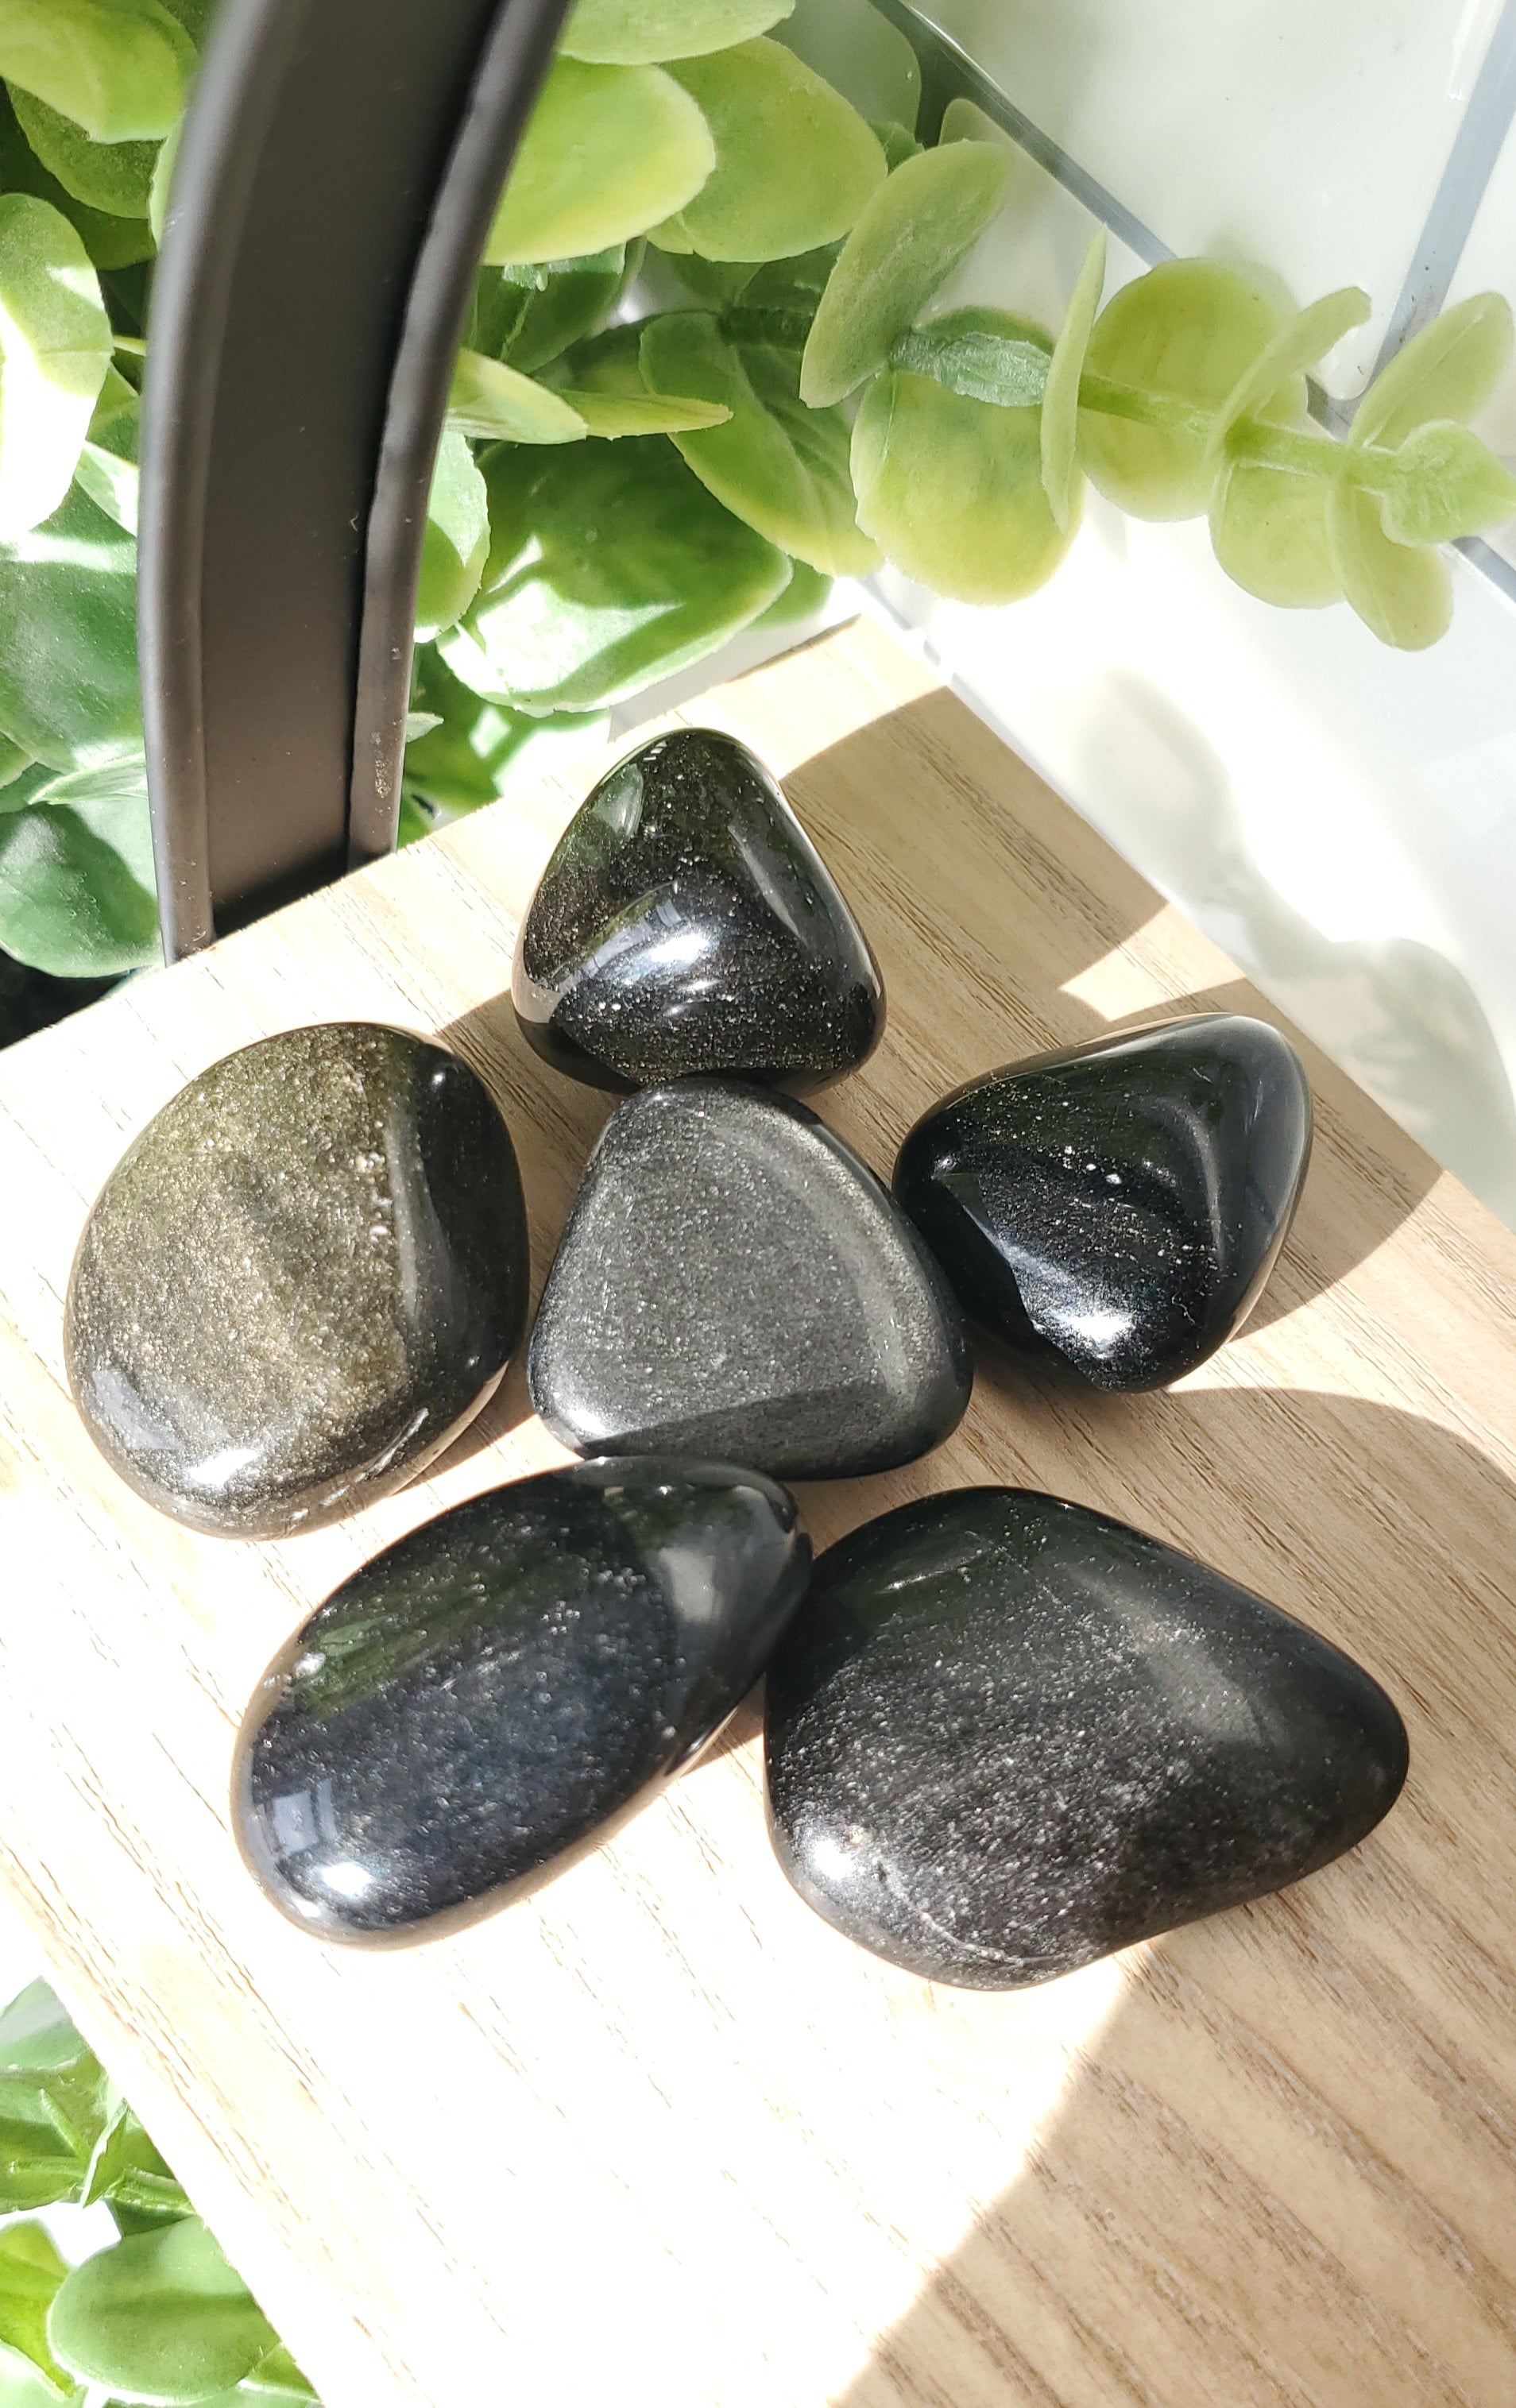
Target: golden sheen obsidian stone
{"points": [[1117, 1207], [687, 924], [1009, 1735], [306, 1276], [492, 1695]]}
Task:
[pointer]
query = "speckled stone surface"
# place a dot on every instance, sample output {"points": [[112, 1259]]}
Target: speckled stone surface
{"points": [[1009, 1735], [489, 1698], [1117, 1207], [303, 1279], [687, 924], [735, 1283]]}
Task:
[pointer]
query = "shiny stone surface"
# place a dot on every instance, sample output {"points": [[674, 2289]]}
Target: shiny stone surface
{"points": [[306, 1276], [1009, 1735], [1119, 1206], [735, 1283], [490, 1696], [687, 924]]}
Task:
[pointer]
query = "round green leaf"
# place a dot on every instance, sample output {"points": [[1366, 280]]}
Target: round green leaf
{"points": [[1400, 590], [110, 241], [608, 151], [1061, 401], [576, 296], [794, 162], [119, 68], [1447, 371], [161, 2319], [457, 539], [495, 402], [643, 33], [77, 890], [1300, 342], [68, 687], [55, 347], [919, 226], [1268, 527], [610, 567], [985, 354], [806, 593], [113, 177], [1187, 331], [781, 467], [951, 490], [1443, 484], [478, 750]]}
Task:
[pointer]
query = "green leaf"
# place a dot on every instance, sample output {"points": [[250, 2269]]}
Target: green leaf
{"points": [[14, 762], [112, 177], [897, 142], [1444, 483], [781, 467], [1188, 332], [608, 151], [129, 2173], [1447, 371], [110, 241], [574, 297], [457, 540], [985, 354], [951, 490], [796, 164], [112, 484], [478, 750], [68, 688], [1400, 590], [920, 225], [278, 2377], [1061, 401], [55, 347], [23, 2385], [807, 593], [119, 68], [493, 402], [1300, 342], [31, 2271], [642, 33], [611, 415], [39, 2035], [162, 2318], [1268, 527], [77, 889], [160, 189], [610, 567]]}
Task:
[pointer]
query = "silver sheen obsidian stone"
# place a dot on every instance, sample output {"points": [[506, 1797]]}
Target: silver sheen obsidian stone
{"points": [[492, 1695], [1009, 1735], [306, 1276], [1117, 1207], [734, 1283], [687, 924]]}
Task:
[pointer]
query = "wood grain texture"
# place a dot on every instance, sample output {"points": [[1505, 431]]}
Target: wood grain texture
{"points": [[661, 2135]]}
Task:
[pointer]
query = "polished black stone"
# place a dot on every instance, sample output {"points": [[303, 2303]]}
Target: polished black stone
{"points": [[686, 923], [487, 1698], [733, 1282], [1120, 1205], [303, 1279], [1009, 1735]]}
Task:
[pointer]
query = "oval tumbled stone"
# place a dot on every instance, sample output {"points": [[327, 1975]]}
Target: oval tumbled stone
{"points": [[306, 1276], [1009, 1735], [490, 1695]]}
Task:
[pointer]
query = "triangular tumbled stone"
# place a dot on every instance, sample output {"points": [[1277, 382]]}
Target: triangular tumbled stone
{"points": [[735, 1283], [301, 1282], [489, 1698], [1010, 1735], [686, 923], [1119, 1205]]}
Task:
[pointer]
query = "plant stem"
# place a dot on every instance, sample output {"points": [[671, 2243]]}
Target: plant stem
{"points": [[1303, 453]]}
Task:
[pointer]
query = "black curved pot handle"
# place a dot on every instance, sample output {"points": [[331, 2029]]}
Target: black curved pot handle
{"points": [[338, 170]]}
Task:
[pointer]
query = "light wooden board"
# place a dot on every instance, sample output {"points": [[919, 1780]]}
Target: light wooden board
{"points": [[661, 2135]]}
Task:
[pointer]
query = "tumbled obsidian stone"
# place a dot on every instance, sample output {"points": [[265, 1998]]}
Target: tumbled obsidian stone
{"points": [[1120, 1205], [301, 1282], [487, 1698], [735, 1283], [1009, 1735], [687, 924]]}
